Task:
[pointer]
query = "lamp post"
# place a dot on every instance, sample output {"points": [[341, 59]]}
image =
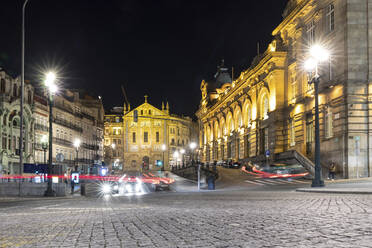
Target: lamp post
{"points": [[317, 55], [176, 154], [44, 145], [163, 148], [50, 78], [192, 147], [182, 154], [77, 146]]}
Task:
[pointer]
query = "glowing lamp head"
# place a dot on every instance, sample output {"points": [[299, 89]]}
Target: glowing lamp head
{"points": [[113, 145], [192, 145], [53, 88], [163, 147], [182, 151], [176, 154], [106, 188], [44, 139], [77, 143], [310, 64], [50, 77], [319, 53]]}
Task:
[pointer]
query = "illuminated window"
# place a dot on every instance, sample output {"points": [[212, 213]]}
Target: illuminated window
{"points": [[293, 85], [328, 127], [265, 107], [311, 32], [292, 132], [330, 18], [249, 117]]}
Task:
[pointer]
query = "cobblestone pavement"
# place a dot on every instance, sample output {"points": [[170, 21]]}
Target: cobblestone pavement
{"points": [[213, 219]]}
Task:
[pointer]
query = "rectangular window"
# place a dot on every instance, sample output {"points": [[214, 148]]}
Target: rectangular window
{"points": [[119, 141], [246, 146], [330, 18], [328, 127], [330, 68], [157, 137], [309, 128], [311, 32], [292, 132], [145, 137], [134, 137], [293, 85], [4, 142]]}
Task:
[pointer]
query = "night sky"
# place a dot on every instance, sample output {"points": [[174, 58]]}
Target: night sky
{"points": [[163, 48]]}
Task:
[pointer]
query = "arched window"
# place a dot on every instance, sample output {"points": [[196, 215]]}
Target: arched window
{"points": [[15, 123], [14, 90], [249, 116], [265, 107], [231, 126], [29, 97], [2, 88]]}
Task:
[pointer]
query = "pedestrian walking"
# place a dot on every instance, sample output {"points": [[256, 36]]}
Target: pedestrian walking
{"points": [[332, 171], [73, 184]]}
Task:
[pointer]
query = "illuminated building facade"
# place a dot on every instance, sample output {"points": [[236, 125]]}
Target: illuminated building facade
{"points": [[145, 135], [269, 108], [76, 115]]}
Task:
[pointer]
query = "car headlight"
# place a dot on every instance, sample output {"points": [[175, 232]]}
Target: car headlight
{"points": [[138, 187], [106, 188], [127, 187]]}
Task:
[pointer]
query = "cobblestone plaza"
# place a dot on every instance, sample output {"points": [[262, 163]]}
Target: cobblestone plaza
{"points": [[213, 219]]}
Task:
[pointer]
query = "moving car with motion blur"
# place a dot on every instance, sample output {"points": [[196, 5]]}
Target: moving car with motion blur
{"points": [[132, 185], [288, 169]]}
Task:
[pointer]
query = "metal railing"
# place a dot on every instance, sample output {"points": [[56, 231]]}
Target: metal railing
{"points": [[67, 124], [41, 127]]}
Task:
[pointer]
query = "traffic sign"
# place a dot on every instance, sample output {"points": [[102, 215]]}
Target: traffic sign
{"points": [[267, 153]]}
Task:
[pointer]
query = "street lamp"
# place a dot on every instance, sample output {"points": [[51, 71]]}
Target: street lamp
{"points": [[44, 145], [317, 54], [77, 146], [163, 148], [176, 154], [52, 88], [192, 147], [22, 94]]}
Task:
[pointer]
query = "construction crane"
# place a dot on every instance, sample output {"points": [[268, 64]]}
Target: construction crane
{"points": [[125, 95]]}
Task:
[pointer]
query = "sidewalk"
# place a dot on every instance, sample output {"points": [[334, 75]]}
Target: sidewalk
{"points": [[342, 186]]}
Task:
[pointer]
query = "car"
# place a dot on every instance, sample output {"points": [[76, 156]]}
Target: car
{"points": [[132, 185], [235, 165], [289, 169]]}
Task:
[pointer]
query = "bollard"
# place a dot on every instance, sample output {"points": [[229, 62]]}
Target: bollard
{"points": [[82, 189]]}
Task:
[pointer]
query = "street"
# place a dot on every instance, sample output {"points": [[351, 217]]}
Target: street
{"points": [[254, 216]]}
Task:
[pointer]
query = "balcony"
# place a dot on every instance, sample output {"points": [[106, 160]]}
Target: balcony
{"points": [[41, 127], [62, 142], [68, 124], [90, 147], [84, 161]]}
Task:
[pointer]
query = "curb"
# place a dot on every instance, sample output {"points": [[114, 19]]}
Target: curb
{"points": [[336, 191]]}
